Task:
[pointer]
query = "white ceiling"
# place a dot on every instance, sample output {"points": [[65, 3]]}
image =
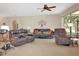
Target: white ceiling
{"points": [[31, 9]]}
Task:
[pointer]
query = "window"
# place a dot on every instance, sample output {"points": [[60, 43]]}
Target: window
{"points": [[74, 19]]}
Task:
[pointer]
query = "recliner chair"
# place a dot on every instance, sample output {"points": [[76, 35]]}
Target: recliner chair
{"points": [[61, 37]]}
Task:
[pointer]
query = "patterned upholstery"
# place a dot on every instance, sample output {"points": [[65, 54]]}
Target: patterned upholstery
{"points": [[61, 37], [20, 37], [43, 33]]}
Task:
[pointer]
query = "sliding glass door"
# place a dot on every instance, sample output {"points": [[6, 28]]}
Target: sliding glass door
{"points": [[74, 19]]}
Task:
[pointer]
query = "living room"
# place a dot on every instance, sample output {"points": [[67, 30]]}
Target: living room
{"points": [[40, 25]]}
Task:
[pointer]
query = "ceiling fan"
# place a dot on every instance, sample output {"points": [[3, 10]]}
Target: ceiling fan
{"points": [[47, 8]]}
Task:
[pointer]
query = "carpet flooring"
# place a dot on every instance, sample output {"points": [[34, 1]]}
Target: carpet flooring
{"points": [[43, 47]]}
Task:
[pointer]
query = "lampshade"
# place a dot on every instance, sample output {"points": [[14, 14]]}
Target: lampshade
{"points": [[70, 24], [5, 27]]}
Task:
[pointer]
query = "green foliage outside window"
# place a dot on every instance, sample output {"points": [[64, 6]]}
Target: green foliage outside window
{"points": [[74, 19]]}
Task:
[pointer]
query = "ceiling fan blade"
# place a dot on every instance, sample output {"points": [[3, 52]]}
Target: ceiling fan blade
{"points": [[48, 9], [42, 10], [53, 7]]}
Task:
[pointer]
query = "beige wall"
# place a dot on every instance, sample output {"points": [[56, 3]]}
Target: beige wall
{"points": [[1, 20], [32, 21]]}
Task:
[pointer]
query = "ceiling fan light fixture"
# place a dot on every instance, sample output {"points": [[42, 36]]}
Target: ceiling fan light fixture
{"points": [[46, 7]]}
